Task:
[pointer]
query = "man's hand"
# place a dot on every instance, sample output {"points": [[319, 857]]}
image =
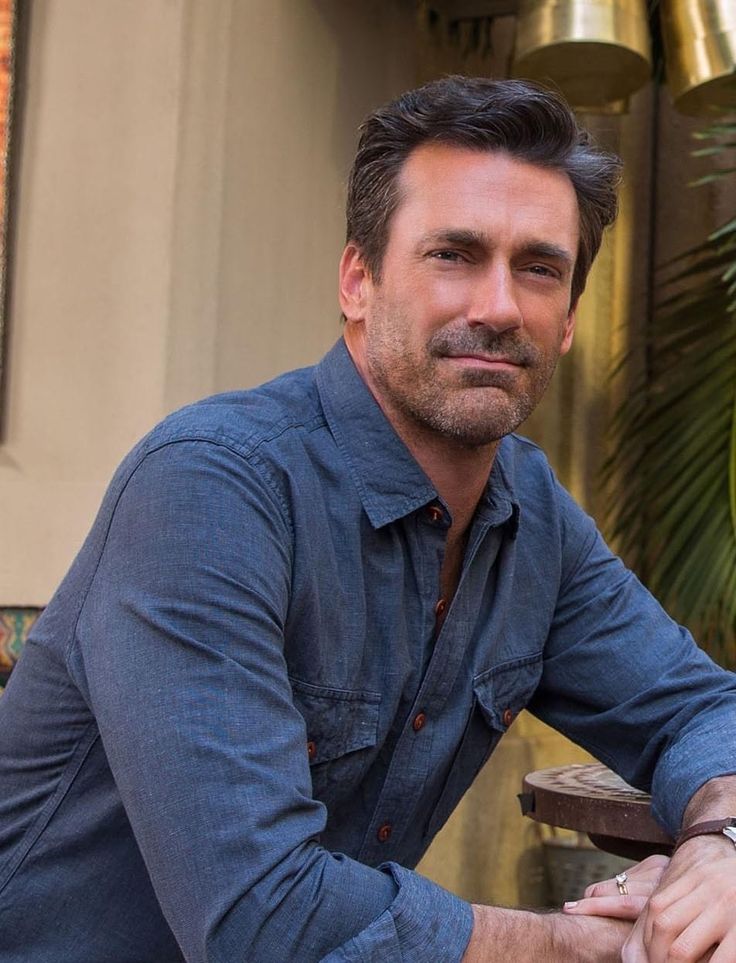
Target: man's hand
{"points": [[558, 938], [692, 914], [605, 899], [685, 907]]}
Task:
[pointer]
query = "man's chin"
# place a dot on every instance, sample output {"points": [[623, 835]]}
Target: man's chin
{"points": [[500, 416], [502, 379], [479, 431]]}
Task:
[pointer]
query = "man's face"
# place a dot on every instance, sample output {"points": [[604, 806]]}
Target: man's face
{"points": [[461, 335]]}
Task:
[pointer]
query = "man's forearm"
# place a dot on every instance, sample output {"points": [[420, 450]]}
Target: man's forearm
{"points": [[548, 937], [715, 800]]}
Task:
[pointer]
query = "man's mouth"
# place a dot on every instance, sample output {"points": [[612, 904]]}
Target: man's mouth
{"points": [[483, 350], [478, 360]]}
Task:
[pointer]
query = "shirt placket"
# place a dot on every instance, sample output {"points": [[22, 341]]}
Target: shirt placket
{"points": [[453, 628]]}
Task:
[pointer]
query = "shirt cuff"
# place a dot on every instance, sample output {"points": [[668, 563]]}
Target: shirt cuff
{"points": [[697, 757], [424, 922]]}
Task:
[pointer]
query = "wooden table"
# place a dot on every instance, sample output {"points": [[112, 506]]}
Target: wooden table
{"points": [[594, 800]]}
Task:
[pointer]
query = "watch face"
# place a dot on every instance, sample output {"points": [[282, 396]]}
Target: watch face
{"points": [[730, 831]]}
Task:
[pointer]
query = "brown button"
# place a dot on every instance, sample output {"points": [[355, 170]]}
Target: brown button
{"points": [[435, 514], [311, 749], [440, 607], [508, 717], [384, 833], [418, 721]]}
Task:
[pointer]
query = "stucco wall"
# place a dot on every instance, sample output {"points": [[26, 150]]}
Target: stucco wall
{"points": [[177, 228]]}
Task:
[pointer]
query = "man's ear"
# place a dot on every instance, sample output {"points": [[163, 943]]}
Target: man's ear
{"points": [[355, 283], [568, 331]]}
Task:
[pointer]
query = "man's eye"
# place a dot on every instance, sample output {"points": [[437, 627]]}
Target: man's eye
{"points": [[447, 256], [543, 271]]}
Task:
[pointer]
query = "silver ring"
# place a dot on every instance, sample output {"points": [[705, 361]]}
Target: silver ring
{"points": [[621, 879]]}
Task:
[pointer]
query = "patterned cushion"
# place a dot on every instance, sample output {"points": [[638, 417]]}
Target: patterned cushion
{"points": [[15, 624]]}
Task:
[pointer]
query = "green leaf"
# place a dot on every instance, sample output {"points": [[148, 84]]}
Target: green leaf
{"points": [[711, 151], [674, 436], [726, 229], [713, 176], [732, 472]]}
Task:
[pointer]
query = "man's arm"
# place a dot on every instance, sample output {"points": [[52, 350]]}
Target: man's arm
{"points": [[569, 938], [179, 651], [551, 937], [630, 685]]}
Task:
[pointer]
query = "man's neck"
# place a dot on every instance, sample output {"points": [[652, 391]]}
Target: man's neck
{"points": [[459, 473]]}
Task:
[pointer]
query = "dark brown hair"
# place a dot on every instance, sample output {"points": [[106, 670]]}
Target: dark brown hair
{"points": [[516, 116]]}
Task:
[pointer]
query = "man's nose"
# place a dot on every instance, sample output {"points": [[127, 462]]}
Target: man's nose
{"points": [[495, 303]]}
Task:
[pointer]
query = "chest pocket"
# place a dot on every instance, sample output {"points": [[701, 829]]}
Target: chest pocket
{"points": [[499, 695], [342, 728]]}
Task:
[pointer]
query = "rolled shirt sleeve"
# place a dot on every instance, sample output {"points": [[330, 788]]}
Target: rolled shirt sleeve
{"points": [[625, 681], [424, 922], [179, 650]]}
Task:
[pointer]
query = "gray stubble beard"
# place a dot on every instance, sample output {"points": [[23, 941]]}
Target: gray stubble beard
{"points": [[432, 408]]}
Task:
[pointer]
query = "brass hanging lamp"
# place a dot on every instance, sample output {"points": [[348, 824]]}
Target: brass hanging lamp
{"points": [[700, 51], [596, 52]]}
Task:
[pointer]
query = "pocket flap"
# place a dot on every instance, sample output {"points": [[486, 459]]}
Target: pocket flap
{"points": [[338, 721], [502, 692]]}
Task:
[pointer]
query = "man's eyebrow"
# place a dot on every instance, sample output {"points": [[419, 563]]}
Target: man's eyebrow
{"points": [[465, 237], [545, 249], [460, 236]]}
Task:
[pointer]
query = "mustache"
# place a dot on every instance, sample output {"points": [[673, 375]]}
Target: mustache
{"points": [[507, 345]]}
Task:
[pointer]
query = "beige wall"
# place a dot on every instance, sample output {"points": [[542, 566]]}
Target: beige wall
{"points": [[178, 223]]}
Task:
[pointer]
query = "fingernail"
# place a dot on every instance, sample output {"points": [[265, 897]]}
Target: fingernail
{"points": [[571, 905]]}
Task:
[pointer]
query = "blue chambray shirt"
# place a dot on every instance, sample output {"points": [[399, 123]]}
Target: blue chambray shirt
{"points": [[209, 748]]}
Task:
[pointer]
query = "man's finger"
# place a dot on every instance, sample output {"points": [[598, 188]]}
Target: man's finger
{"points": [[688, 924], [648, 871], [618, 907]]}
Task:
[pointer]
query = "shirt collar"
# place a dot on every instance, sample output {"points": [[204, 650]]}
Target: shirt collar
{"points": [[390, 482]]}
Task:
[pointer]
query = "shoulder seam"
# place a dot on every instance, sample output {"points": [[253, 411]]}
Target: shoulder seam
{"points": [[255, 461]]}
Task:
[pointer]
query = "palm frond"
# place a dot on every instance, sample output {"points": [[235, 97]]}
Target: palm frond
{"points": [[674, 437]]}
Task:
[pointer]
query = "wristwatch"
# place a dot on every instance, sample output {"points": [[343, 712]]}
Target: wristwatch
{"points": [[725, 827]]}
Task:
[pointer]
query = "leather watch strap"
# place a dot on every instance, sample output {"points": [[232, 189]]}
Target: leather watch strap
{"points": [[726, 827]]}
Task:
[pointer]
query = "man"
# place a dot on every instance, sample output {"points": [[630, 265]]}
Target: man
{"points": [[306, 614]]}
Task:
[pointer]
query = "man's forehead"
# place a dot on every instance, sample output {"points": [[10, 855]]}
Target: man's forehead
{"points": [[432, 160], [439, 177]]}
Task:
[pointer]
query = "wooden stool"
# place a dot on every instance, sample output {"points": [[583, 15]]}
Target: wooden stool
{"points": [[592, 799]]}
